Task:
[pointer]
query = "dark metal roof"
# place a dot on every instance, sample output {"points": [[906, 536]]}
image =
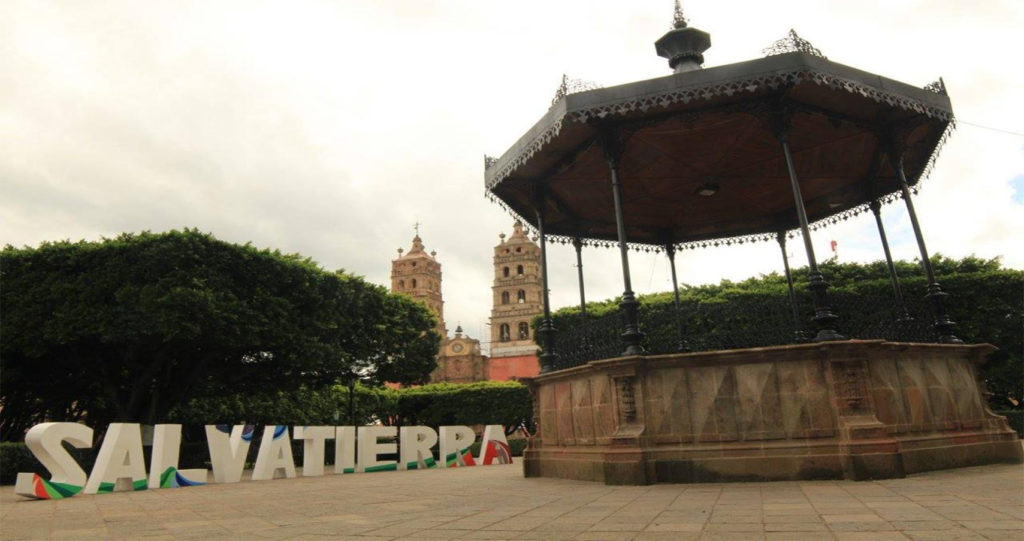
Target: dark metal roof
{"points": [[710, 126]]}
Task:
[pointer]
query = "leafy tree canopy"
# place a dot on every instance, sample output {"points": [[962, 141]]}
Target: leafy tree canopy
{"points": [[127, 328]]}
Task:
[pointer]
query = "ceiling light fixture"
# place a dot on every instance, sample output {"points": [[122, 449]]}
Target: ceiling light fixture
{"points": [[707, 189]]}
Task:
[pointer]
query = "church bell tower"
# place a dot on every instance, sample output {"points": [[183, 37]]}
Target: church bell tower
{"points": [[418, 274], [517, 300]]}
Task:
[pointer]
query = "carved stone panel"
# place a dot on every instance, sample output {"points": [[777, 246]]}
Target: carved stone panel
{"points": [[548, 427], [604, 409], [582, 412], [915, 395], [887, 394], [944, 416], [563, 405], [965, 393], [850, 381], [626, 398], [713, 403], [668, 405], [760, 409]]}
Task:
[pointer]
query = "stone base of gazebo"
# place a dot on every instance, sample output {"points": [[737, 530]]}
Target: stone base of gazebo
{"points": [[853, 409]]}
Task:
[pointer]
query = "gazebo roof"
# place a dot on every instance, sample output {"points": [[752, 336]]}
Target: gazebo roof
{"points": [[711, 130]]}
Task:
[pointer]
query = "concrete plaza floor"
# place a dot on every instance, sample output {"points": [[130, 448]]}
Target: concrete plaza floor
{"points": [[496, 502]]}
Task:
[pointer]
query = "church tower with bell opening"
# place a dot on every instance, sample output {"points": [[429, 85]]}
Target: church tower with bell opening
{"points": [[418, 274], [517, 300]]}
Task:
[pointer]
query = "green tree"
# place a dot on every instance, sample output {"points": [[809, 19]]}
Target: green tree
{"points": [[127, 328]]}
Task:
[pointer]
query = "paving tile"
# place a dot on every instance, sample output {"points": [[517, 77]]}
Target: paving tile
{"points": [[666, 536], [798, 536], [1008, 525], [732, 536], [943, 535], [605, 526], [606, 536], [675, 527], [795, 527], [870, 536], [734, 527], [852, 518]]}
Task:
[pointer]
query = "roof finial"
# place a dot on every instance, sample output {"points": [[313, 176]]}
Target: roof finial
{"points": [[416, 226], [678, 19], [792, 43], [683, 46]]}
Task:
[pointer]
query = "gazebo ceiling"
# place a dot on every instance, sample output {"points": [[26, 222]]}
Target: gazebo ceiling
{"points": [[714, 130]]}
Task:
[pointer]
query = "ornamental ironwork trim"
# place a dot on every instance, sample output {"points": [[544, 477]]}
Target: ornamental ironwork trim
{"points": [[572, 86], [938, 87], [664, 99], [792, 43]]}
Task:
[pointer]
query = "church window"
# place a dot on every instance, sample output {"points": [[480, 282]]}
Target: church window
{"points": [[519, 249], [506, 333], [413, 282], [504, 297], [519, 270], [401, 284], [413, 263], [521, 296], [524, 331], [504, 272]]}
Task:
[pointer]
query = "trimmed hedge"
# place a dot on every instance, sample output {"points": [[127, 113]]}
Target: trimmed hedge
{"points": [[326, 406], [507, 403], [504, 403]]}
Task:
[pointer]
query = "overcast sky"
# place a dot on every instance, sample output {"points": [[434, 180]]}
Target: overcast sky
{"points": [[330, 128]]}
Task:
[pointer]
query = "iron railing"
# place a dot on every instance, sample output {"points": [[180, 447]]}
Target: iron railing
{"points": [[744, 323]]}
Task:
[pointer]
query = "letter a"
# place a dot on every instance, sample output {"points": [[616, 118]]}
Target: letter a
{"points": [[275, 454], [120, 458], [495, 449]]}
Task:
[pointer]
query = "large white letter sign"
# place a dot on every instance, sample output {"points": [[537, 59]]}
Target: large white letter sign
{"points": [[495, 449], [345, 449], [313, 447], [227, 453], [455, 444], [369, 448], [416, 443], [163, 465], [66, 477], [275, 454], [120, 457]]}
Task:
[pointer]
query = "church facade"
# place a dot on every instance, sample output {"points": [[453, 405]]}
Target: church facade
{"points": [[516, 301]]}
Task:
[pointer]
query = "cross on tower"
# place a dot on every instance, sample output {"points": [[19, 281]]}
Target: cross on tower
{"points": [[417, 227]]}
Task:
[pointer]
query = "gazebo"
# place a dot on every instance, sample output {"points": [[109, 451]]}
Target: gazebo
{"points": [[759, 150]]}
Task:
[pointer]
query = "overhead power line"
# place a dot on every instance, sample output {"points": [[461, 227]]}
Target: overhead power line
{"points": [[1018, 134]]}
